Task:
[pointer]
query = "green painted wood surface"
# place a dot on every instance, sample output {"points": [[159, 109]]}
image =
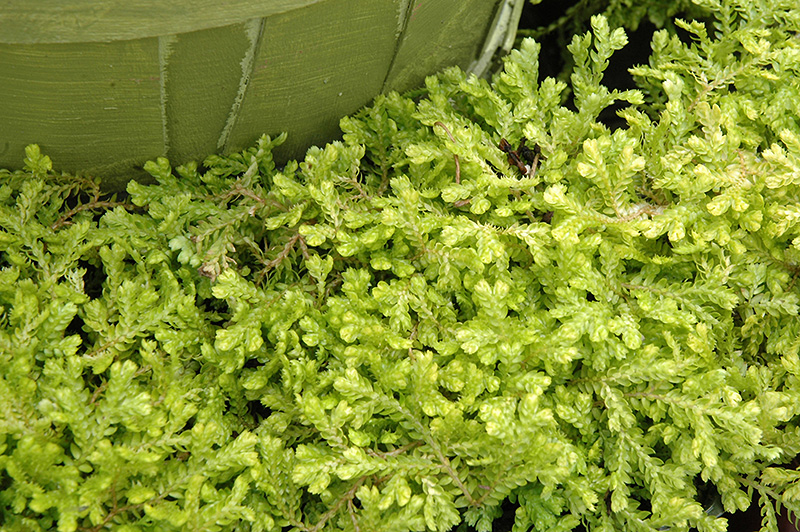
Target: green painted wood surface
{"points": [[47, 21], [104, 86], [444, 32], [95, 106]]}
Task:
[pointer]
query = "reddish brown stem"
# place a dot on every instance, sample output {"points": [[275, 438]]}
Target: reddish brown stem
{"points": [[455, 157]]}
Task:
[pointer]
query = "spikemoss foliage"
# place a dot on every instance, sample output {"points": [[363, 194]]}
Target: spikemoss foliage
{"points": [[402, 331]]}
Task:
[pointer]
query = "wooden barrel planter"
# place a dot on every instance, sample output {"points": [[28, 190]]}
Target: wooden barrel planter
{"points": [[103, 87]]}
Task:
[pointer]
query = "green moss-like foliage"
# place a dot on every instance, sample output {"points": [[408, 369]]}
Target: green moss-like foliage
{"points": [[403, 331]]}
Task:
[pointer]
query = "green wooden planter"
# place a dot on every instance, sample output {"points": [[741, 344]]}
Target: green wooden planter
{"points": [[104, 86]]}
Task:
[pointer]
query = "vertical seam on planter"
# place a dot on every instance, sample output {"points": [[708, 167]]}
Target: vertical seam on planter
{"points": [[165, 43], [254, 28], [400, 34], [500, 37]]}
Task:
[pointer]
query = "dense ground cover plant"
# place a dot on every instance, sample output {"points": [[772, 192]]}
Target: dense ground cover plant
{"points": [[403, 331]]}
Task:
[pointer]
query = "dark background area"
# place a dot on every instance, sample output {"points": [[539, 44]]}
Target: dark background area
{"points": [[553, 23]]}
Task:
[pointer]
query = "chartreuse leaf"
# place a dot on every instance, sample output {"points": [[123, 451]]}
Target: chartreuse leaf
{"points": [[403, 331]]}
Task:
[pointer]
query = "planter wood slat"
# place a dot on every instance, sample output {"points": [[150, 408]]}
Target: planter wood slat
{"points": [[104, 88]]}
